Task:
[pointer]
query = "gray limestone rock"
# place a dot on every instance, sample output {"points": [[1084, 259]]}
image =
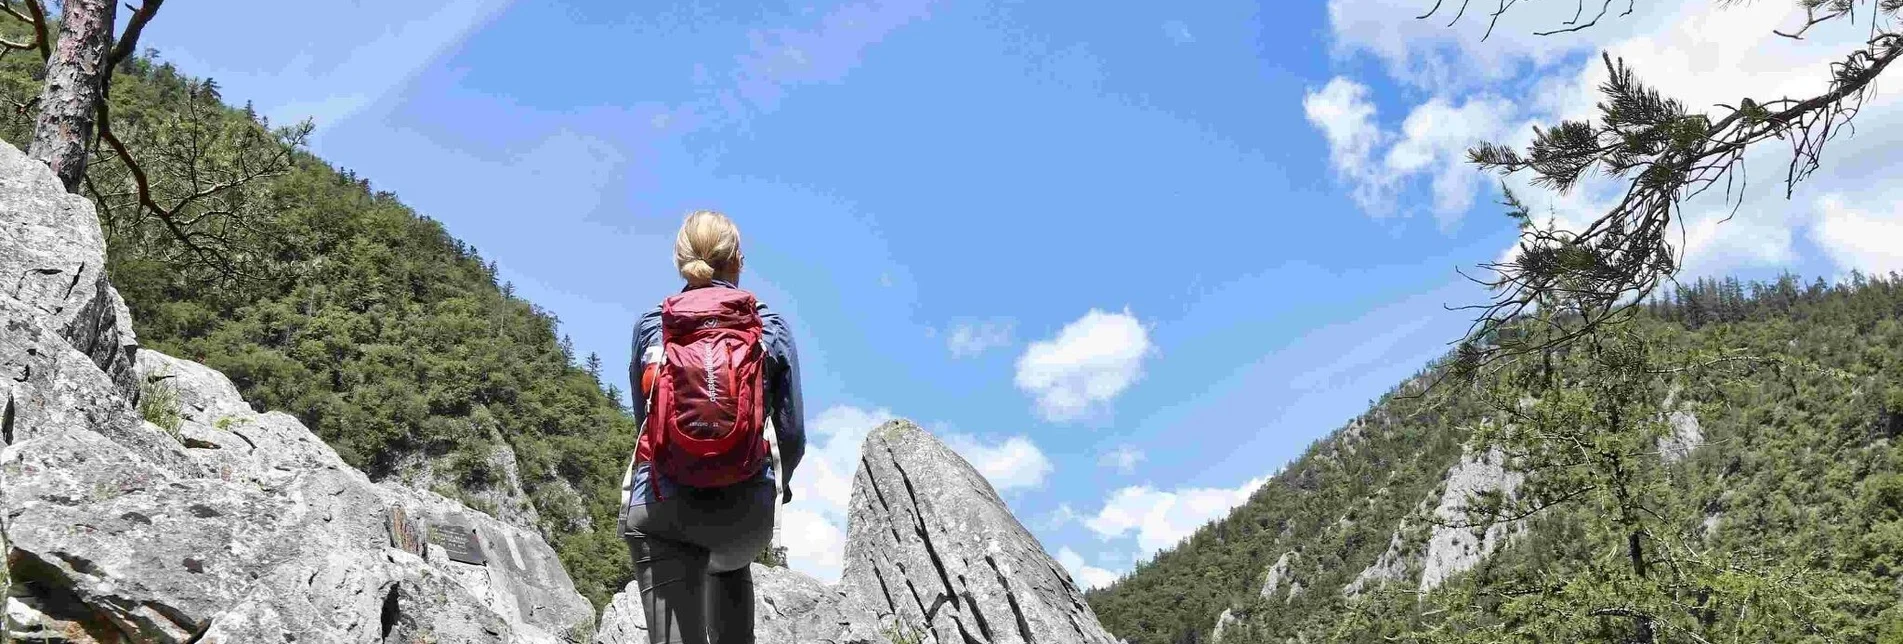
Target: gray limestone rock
{"points": [[1390, 566], [191, 518], [54, 261], [1452, 550], [1686, 436], [273, 534], [623, 621], [788, 607], [1223, 622], [930, 542], [1278, 571]]}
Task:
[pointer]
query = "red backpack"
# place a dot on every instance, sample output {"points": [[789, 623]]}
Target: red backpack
{"points": [[707, 423]]}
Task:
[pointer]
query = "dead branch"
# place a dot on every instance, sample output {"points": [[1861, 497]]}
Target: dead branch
{"points": [[37, 20]]}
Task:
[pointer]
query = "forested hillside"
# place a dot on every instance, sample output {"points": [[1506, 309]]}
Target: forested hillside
{"points": [[1779, 466], [330, 300]]}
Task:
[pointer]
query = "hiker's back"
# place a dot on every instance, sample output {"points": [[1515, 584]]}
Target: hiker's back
{"points": [[709, 405], [712, 370]]}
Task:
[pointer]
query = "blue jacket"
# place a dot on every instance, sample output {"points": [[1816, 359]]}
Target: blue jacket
{"points": [[783, 406]]}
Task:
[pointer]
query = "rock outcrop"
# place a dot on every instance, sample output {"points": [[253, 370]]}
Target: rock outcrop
{"points": [[933, 556], [787, 606], [1223, 622], [503, 498], [142, 500], [1453, 549], [1686, 436], [1278, 572], [1390, 566]]}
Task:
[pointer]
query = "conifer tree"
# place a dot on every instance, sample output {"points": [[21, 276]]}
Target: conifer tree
{"points": [[1666, 153]]}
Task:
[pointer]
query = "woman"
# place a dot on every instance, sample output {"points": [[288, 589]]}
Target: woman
{"points": [[692, 545]]}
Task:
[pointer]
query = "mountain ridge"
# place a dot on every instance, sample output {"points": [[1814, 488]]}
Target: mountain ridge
{"points": [[1347, 520]]}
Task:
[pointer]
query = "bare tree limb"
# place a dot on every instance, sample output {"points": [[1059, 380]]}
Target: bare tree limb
{"points": [[37, 20], [129, 41]]}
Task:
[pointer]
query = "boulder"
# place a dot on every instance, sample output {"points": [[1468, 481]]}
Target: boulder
{"points": [[54, 262], [930, 542], [933, 556], [142, 500]]}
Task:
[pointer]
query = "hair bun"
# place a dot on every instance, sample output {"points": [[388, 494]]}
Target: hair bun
{"points": [[707, 246], [697, 272]]}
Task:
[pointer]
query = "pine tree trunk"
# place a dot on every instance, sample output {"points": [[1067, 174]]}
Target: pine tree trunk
{"points": [[70, 99]]}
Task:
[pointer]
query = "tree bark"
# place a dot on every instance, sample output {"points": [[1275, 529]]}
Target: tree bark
{"points": [[73, 86]]}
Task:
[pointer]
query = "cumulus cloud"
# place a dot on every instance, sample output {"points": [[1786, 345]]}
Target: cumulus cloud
{"points": [[1123, 458], [1858, 239], [814, 524], [1013, 464], [967, 339], [1090, 362], [1432, 141], [1699, 52], [1161, 518], [1344, 113], [1086, 575]]}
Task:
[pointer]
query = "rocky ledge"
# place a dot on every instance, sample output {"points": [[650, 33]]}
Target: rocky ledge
{"points": [[142, 500], [932, 556]]}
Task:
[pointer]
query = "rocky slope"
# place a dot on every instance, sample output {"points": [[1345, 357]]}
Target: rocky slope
{"points": [[142, 500], [932, 556]]}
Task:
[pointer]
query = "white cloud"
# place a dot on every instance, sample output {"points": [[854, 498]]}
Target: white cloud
{"points": [[1086, 575], [815, 544], [1159, 518], [1858, 239], [815, 522], [968, 338], [1091, 361], [1014, 464], [1699, 52], [1344, 113], [1435, 138], [1124, 458]]}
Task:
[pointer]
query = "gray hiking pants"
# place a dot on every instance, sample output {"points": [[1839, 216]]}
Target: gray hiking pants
{"points": [[691, 550]]}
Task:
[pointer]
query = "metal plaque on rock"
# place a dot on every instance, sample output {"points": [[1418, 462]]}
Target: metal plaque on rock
{"points": [[459, 541]]}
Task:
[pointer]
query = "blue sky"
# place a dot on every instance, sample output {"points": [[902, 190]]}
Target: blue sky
{"points": [[1128, 261]]}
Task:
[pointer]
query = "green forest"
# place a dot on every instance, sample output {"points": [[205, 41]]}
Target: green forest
{"points": [[330, 300], [1791, 509]]}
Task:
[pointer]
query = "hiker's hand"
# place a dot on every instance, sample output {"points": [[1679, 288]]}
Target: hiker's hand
{"points": [[786, 496]]}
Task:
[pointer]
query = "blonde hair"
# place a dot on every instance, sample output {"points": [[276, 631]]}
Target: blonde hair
{"points": [[707, 247]]}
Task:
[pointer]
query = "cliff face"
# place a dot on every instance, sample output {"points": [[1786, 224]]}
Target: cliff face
{"points": [[142, 500], [933, 556]]}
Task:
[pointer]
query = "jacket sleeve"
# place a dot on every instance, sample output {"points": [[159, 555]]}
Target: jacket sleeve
{"points": [[647, 334], [783, 395]]}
